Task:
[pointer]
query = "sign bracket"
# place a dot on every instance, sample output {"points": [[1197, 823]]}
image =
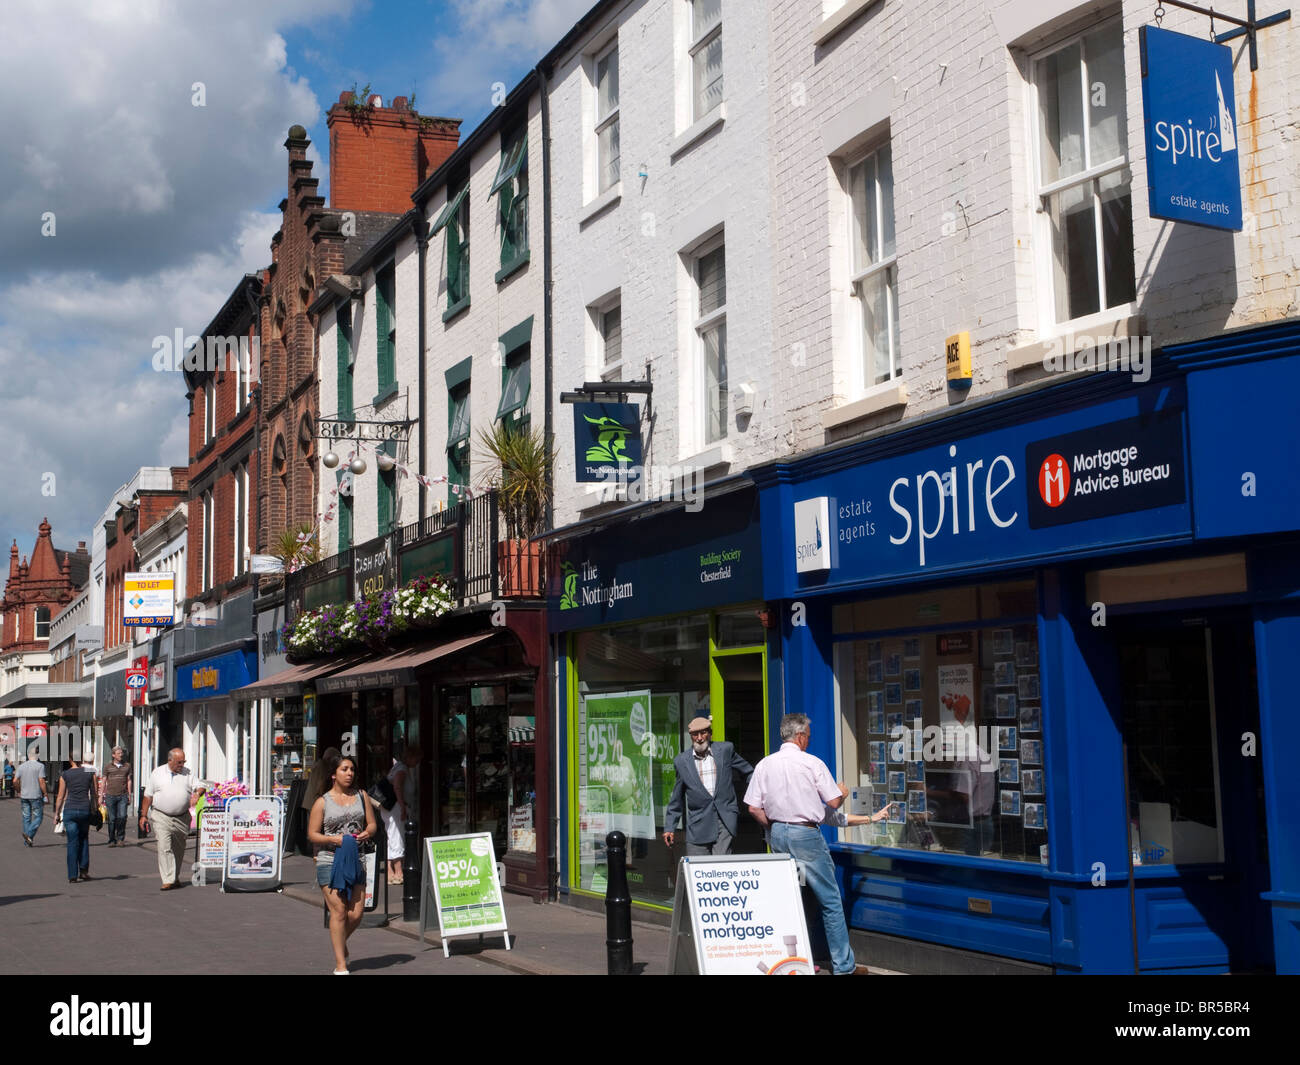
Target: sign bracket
{"points": [[1248, 27], [613, 392]]}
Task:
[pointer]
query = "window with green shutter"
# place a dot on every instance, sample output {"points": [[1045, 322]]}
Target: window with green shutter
{"points": [[387, 489], [511, 186], [343, 478], [516, 378], [454, 218], [345, 360], [458, 431], [386, 329]]}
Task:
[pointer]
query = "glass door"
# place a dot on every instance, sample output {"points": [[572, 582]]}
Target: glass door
{"points": [[474, 775]]}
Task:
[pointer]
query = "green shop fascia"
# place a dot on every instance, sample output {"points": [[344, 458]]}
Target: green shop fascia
{"points": [[656, 615]]}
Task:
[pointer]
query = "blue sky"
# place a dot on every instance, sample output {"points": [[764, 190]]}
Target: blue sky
{"points": [[128, 212]]}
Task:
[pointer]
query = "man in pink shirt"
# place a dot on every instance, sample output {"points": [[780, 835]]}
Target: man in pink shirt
{"points": [[788, 795]]}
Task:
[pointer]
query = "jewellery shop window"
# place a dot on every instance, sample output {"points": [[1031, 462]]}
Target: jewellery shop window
{"points": [[637, 684], [942, 720]]}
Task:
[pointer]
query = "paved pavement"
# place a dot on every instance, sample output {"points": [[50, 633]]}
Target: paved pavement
{"points": [[119, 919]]}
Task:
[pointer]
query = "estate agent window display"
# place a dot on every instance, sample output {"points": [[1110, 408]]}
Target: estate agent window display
{"points": [[970, 777]]}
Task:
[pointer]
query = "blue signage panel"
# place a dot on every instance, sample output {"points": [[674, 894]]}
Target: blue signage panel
{"points": [[667, 564], [1190, 115], [1114, 473], [212, 677], [606, 440]]}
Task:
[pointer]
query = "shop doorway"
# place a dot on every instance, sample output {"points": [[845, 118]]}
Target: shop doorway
{"points": [[741, 719], [474, 763], [1189, 700]]}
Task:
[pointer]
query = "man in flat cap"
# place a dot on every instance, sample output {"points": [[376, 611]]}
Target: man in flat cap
{"points": [[705, 783]]}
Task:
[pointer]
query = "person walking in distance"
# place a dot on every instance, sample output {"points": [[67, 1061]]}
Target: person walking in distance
{"points": [[788, 795], [9, 779], [341, 819], [31, 790], [77, 791], [166, 806], [117, 794], [705, 782]]}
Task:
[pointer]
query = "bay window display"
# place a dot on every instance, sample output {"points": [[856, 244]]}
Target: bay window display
{"points": [[636, 687], [941, 720]]}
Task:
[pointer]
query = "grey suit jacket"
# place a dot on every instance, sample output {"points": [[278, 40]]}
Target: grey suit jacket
{"points": [[704, 812]]}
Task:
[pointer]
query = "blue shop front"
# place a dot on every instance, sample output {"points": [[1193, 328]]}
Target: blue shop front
{"points": [[219, 739], [1054, 633]]}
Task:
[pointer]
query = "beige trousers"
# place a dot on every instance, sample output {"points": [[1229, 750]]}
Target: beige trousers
{"points": [[171, 834]]}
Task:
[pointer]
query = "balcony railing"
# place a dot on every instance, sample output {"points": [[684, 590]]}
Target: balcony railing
{"points": [[465, 543]]}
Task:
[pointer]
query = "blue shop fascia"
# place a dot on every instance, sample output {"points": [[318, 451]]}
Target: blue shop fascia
{"points": [[1057, 632]]}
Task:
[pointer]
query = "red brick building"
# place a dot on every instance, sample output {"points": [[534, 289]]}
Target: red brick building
{"points": [[378, 156], [145, 507]]}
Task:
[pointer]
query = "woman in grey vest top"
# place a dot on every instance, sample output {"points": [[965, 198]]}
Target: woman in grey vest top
{"points": [[342, 811]]}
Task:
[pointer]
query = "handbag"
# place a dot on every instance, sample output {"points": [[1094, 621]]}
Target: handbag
{"points": [[383, 793], [96, 818]]}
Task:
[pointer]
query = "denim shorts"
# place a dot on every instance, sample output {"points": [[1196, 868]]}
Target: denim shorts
{"points": [[324, 870]]}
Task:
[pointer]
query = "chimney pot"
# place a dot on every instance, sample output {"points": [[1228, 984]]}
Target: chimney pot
{"points": [[399, 103], [375, 100]]}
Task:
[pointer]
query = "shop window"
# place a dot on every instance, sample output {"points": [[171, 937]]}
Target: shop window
{"points": [[634, 682], [874, 266], [1174, 801], [942, 720], [740, 629], [1083, 181]]}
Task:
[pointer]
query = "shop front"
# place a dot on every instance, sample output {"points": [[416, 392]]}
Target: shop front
{"points": [[465, 688], [1045, 633], [660, 618], [218, 732], [114, 715]]}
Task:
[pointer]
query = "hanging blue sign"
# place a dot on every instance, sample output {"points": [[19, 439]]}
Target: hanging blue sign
{"points": [[606, 441], [1190, 114]]}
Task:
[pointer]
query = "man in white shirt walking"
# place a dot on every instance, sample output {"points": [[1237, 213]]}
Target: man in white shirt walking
{"points": [[788, 795], [167, 807]]}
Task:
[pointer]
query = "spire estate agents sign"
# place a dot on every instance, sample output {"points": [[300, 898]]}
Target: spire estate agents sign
{"points": [[1190, 115]]}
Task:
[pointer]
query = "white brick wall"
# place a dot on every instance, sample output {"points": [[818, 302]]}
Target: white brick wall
{"points": [[636, 245]]}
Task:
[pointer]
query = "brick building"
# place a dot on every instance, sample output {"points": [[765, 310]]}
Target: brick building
{"points": [[378, 156], [36, 590]]}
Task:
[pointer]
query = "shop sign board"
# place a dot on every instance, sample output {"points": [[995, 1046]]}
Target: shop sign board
{"points": [[148, 599], [1189, 111], [667, 564], [215, 676], [372, 567], [462, 875], [812, 545], [212, 838], [254, 827], [606, 441], [739, 916], [1087, 479]]}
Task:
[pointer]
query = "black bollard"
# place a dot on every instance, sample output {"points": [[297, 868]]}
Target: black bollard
{"points": [[618, 907], [412, 868]]}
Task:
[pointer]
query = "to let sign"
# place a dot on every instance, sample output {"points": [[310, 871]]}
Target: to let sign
{"points": [[1190, 115]]}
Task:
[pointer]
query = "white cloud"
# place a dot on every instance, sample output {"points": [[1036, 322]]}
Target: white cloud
{"points": [[152, 202]]}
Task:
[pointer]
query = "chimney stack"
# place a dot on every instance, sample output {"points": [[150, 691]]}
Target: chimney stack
{"points": [[380, 155]]}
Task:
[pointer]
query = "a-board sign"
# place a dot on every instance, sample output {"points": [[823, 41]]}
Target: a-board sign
{"points": [[254, 827], [739, 916], [212, 838], [466, 887]]}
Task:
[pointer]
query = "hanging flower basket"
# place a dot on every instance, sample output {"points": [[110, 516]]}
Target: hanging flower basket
{"points": [[369, 622]]}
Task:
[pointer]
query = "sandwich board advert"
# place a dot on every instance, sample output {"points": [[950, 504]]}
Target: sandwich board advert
{"points": [[466, 883], [253, 843], [739, 916]]}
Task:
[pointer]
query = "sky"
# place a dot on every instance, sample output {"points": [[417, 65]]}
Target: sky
{"points": [[133, 202]]}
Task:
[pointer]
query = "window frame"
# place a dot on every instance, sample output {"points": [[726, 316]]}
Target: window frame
{"points": [[457, 226], [209, 540], [346, 360], [604, 369], [37, 623], [386, 329], [210, 409], [886, 265], [603, 123], [510, 186], [458, 400], [1090, 175], [516, 364], [701, 324], [698, 45]]}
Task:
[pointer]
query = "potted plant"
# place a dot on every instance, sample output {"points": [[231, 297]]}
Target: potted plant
{"points": [[520, 465]]}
